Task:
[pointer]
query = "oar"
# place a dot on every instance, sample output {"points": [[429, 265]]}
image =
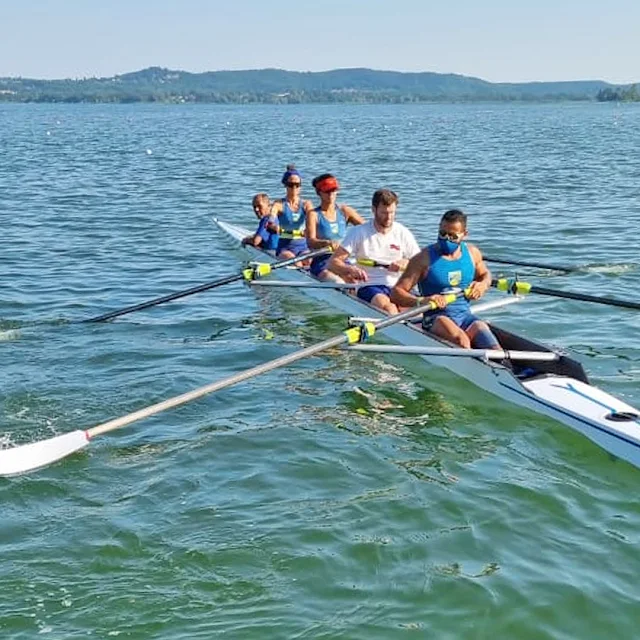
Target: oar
{"points": [[537, 265], [29, 457], [485, 354], [367, 262], [518, 287], [307, 285], [261, 269]]}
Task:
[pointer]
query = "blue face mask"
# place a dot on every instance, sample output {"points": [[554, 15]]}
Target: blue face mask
{"points": [[447, 247]]}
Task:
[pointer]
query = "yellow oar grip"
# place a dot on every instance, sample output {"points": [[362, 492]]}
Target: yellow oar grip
{"points": [[361, 333], [290, 235], [513, 286], [449, 298], [256, 270], [366, 262]]}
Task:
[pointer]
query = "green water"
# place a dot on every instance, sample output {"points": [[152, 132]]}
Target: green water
{"points": [[345, 497]]}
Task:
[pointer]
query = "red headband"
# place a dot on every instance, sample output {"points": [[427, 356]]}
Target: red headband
{"points": [[328, 184]]}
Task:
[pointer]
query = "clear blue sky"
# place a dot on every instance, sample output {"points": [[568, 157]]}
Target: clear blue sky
{"points": [[497, 40]]}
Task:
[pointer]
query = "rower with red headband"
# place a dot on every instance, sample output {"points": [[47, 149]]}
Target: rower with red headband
{"points": [[291, 211], [327, 224]]}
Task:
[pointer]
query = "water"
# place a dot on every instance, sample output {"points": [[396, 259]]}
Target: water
{"points": [[344, 497]]}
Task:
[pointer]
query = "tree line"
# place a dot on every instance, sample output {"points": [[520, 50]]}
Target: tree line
{"points": [[277, 86], [619, 94]]}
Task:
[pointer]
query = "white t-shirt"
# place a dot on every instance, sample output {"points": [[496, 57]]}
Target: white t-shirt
{"points": [[364, 241]]}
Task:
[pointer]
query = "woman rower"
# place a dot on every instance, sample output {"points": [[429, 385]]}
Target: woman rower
{"points": [[327, 224], [291, 211]]}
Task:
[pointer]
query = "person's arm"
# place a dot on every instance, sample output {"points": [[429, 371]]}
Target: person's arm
{"points": [[276, 212], [337, 264], [482, 278], [398, 265], [351, 215], [411, 249], [255, 240], [311, 230], [416, 270], [272, 224]]}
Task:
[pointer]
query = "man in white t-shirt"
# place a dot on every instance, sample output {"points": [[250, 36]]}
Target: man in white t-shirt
{"points": [[382, 248]]}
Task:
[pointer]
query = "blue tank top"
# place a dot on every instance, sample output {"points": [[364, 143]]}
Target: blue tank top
{"points": [[292, 220], [327, 230], [445, 275], [269, 238]]}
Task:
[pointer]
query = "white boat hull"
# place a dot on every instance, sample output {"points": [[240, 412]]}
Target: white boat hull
{"points": [[562, 393]]}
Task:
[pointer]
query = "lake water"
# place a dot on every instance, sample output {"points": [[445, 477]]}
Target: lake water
{"points": [[345, 497]]}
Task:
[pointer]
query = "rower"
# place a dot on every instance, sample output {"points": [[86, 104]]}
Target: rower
{"points": [[450, 264], [291, 212], [383, 243], [266, 235], [327, 224]]}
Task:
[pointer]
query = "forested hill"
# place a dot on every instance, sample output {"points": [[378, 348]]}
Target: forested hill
{"points": [[277, 86]]}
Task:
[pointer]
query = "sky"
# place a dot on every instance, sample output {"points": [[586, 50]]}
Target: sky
{"points": [[496, 40]]}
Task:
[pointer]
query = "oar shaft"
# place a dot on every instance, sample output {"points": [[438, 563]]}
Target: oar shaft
{"points": [[306, 285], [215, 386], [167, 298], [537, 265], [519, 287], [627, 304], [24, 458], [487, 354], [199, 288], [176, 401]]}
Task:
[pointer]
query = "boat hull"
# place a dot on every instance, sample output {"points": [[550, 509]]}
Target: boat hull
{"points": [[559, 390]]}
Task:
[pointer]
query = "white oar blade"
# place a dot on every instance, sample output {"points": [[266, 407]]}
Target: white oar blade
{"points": [[29, 457]]}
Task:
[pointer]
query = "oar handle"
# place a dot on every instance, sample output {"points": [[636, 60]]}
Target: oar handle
{"points": [[368, 262]]}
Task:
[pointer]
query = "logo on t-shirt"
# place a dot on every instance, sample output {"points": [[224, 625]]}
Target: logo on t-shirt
{"points": [[454, 278], [394, 246]]}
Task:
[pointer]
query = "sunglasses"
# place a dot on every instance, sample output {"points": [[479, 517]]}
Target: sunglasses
{"points": [[454, 237], [294, 185]]}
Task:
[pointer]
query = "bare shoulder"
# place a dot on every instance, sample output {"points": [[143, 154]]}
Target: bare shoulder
{"points": [[419, 263], [416, 270], [476, 254], [422, 258], [351, 214]]}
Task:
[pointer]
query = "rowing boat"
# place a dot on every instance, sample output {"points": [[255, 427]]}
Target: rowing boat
{"points": [[544, 380]]}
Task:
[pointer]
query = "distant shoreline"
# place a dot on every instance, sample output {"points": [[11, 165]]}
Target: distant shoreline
{"points": [[275, 86]]}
